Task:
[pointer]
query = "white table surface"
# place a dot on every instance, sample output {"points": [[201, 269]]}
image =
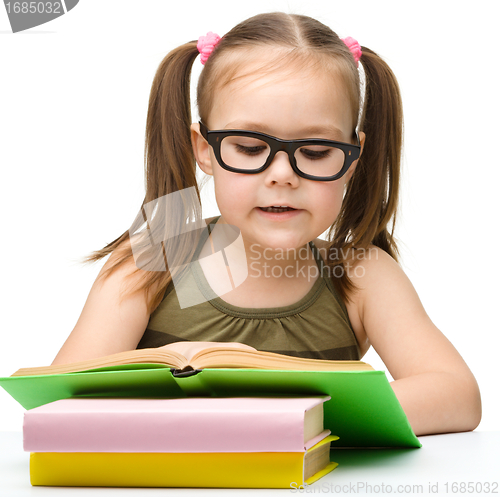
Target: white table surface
{"points": [[444, 459]]}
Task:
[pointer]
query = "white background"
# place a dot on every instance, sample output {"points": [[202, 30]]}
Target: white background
{"points": [[73, 103]]}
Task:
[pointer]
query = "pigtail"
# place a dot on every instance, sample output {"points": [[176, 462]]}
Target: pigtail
{"points": [[371, 198], [169, 159], [170, 167]]}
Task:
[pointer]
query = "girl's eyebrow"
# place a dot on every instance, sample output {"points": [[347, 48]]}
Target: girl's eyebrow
{"points": [[327, 131]]}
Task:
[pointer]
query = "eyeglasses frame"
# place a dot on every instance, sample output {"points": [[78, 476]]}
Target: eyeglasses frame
{"points": [[215, 137]]}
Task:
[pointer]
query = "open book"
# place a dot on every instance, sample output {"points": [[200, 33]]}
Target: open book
{"points": [[187, 356], [363, 410]]}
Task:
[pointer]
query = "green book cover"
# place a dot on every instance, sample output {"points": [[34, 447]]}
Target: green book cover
{"points": [[363, 410]]}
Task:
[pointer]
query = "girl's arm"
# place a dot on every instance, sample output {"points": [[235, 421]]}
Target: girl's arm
{"points": [[106, 325], [433, 383]]}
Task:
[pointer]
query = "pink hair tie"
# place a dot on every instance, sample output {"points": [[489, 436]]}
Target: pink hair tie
{"points": [[354, 47], [206, 44]]}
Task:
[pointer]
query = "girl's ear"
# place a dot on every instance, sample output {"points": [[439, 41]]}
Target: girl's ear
{"points": [[349, 173], [201, 149]]}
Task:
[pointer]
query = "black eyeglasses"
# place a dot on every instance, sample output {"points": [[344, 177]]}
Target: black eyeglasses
{"points": [[250, 152]]}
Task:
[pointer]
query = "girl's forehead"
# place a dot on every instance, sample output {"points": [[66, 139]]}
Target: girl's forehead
{"points": [[271, 65], [277, 90]]}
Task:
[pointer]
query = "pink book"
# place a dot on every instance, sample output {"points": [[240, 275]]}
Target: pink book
{"points": [[176, 425]]}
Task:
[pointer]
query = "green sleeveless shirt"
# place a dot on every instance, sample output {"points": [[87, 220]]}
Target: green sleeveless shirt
{"points": [[317, 326]]}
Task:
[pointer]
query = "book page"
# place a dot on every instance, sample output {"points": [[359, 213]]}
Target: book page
{"points": [[139, 356], [191, 349]]}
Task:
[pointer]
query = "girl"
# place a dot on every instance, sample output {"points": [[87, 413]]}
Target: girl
{"points": [[294, 150]]}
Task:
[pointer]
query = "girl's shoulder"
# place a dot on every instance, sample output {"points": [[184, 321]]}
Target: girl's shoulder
{"points": [[371, 270], [359, 262]]}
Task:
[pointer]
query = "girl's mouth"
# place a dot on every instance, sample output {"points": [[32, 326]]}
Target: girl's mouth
{"points": [[277, 209], [279, 214]]}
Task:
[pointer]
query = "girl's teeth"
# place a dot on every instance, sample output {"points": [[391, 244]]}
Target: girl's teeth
{"points": [[276, 209]]}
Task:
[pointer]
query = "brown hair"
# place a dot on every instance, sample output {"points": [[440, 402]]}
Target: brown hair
{"points": [[372, 193]]}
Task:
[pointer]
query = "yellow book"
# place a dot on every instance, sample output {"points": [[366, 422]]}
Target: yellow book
{"points": [[226, 470]]}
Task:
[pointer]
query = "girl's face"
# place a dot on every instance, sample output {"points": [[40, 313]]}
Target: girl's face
{"points": [[287, 105]]}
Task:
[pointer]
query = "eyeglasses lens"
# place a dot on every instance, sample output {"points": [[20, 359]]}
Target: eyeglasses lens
{"points": [[319, 160], [243, 152], [248, 153]]}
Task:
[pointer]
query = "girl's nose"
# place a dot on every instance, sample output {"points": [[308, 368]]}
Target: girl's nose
{"points": [[280, 170]]}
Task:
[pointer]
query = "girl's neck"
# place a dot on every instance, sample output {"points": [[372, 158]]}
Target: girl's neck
{"points": [[285, 264], [269, 278]]}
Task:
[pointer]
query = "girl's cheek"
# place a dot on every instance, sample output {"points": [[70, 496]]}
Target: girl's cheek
{"points": [[237, 186]]}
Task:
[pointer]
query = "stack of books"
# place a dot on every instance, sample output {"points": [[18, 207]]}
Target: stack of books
{"points": [[110, 441], [185, 442]]}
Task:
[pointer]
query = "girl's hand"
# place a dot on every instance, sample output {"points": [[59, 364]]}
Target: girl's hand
{"points": [[434, 385]]}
